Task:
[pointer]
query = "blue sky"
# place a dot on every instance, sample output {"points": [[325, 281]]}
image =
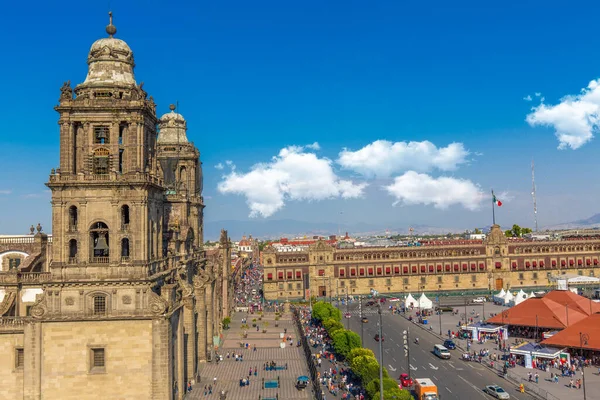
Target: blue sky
{"points": [[254, 78]]}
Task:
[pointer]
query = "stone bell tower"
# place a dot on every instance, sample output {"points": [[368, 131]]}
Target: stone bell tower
{"points": [[107, 195]]}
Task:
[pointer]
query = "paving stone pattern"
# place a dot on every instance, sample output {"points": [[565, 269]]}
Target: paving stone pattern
{"points": [[229, 372]]}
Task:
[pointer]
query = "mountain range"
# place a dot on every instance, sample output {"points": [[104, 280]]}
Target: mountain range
{"points": [[278, 228]]}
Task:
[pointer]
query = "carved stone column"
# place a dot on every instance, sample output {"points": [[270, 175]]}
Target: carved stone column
{"points": [[189, 331], [199, 293], [210, 314]]}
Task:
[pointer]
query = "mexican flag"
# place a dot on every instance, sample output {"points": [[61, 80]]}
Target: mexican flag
{"points": [[496, 201]]}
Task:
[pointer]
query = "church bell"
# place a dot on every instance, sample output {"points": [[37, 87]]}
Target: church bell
{"points": [[101, 244]]}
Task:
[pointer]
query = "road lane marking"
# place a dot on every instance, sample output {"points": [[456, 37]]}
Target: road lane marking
{"points": [[433, 366], [434, 377], [448, 390], [392, 368], [394, 359], [413, 368], [473, 386]]}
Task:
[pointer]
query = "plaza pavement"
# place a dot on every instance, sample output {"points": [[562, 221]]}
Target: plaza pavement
{"points": [[229, 372]]}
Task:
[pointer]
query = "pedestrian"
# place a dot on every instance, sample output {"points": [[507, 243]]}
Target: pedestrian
{"points": [[215, 381]]}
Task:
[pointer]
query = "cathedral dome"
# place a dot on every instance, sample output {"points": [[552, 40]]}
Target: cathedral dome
{"points": [[110, 61], [172, 127]]}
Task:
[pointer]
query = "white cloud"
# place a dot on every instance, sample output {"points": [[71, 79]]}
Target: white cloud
{"points": [[6, 191], [383, 158], [414, 188], [575, 118], [315, 146], [291, 175], [537, 94], [229, 163], [527, 98], [219, 166]]}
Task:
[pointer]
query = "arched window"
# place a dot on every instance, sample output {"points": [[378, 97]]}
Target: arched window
{"points": [[100, 161], [72, 251], [183, 178], [99, 243], [125, 218], [73, 219], [125, 249]]}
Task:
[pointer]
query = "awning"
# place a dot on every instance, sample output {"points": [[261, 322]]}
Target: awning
{"points": [[537, 350]]}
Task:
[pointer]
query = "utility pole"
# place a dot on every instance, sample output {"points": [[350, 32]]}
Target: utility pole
{"points": [[405, 339], [362, 325], [583, 339], [440, 312], [347, 319], [380, 351]]}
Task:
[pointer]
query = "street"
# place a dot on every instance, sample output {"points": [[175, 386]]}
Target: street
{"points": [[456, 379]]}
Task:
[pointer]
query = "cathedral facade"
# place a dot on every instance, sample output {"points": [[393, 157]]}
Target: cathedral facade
{"points": [[123, 302], [444, 267]]}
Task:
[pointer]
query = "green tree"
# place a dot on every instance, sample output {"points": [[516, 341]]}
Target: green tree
{"points": [[331, 326], [262, 245], [358, 352], [477, 231], [517, 231], [373, 387], [394, 394], [367, 369], [344, 341], [226, 321], [323, 311]]}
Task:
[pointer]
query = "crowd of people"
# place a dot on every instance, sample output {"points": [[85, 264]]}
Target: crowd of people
{"points": [[334, 376]]}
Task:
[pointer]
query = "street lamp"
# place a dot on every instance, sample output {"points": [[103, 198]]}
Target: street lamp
{"points": [[583, 339], [440, 312], [504, 315]]}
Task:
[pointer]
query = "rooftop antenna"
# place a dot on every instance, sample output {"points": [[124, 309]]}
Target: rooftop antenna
{"points": [[533, 194]]}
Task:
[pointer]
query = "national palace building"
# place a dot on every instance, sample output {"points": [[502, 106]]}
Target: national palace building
{"points": [[451, 265]]}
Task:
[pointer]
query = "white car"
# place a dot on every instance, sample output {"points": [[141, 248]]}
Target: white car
{"points": [[479, 300], [497, 392], [394, 299]]}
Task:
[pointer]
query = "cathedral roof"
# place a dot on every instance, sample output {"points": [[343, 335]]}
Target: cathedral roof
{"points": [[172, 127], [110, 61]]}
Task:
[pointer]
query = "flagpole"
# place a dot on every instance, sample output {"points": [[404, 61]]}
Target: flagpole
{"points": [[493, 208]]}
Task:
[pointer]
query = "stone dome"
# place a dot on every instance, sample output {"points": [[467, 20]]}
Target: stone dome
{"points": [[172, 127], [110, 61]]}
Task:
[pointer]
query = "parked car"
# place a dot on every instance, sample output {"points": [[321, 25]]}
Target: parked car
{"points": [[497, 392], [479, 300], [405, 380], [449, 344], [444, 309], [365, 320]]}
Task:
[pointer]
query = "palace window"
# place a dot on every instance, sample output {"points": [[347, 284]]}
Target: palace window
{"points": [[73, 219], [396, 270], [431, 268], [19, 358], [72, 251], [388, 270], [281, 286], [455, 267], [591, 272], [321, 272], [534, 275], [481, 266], [439, 268], [269, 276], [379, 270], [299, 286], [99, 304], [439, 279], [473, 278], [298, 274], [422, 269], [423, 280], [97, 359], [447, 267], [370, 271], [14, 263], [280, 275], [580, 272], [352, 272], [371, 282], [520, 276], [102, 134], [388, 282], [353, 283], [362, 272], [290, 286], [342, 272], [289, 275]]}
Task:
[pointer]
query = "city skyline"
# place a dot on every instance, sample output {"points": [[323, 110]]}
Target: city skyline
{"points": [[390, 115]]}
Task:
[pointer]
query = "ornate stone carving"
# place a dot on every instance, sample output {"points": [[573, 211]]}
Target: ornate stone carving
{"points": [[186, 288], [69, 301], [39, 309], [126, 299], [223, 238], [157, 304], [66, 92]]}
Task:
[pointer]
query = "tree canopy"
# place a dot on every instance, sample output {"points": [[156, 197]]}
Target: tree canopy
{"points": [[517, 231], [344, 341], [323, 311], [332, 326], [390, 389]]}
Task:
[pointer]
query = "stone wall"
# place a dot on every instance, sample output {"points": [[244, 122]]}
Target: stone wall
{"points": [[11, 378], [66, 360]]}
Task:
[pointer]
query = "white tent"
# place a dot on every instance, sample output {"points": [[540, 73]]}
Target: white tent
{"points": [[424, 302], [509, 298], [500, 296], [410, 301], [521, 297], [531, 295]]}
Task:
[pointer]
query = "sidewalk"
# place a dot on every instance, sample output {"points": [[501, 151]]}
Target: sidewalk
{"points": [[229, 372], [544, 388]]}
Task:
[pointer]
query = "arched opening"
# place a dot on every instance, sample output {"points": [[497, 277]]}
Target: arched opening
{"points": [[99, 243], [183, 183], [72, 251], [189, 241], [125, 218], [100, 161], [125, 249], [73, 219]]}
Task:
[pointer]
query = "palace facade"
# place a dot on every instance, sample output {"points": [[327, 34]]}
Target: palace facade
{"points": [[460, 265], [123, 302]]}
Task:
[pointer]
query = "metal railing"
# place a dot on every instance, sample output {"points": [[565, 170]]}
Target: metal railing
{"points": [[99, 260], [311, 365]]}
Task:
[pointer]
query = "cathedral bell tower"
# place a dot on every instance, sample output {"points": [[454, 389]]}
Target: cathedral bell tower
{"points": [[107, 194]]}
